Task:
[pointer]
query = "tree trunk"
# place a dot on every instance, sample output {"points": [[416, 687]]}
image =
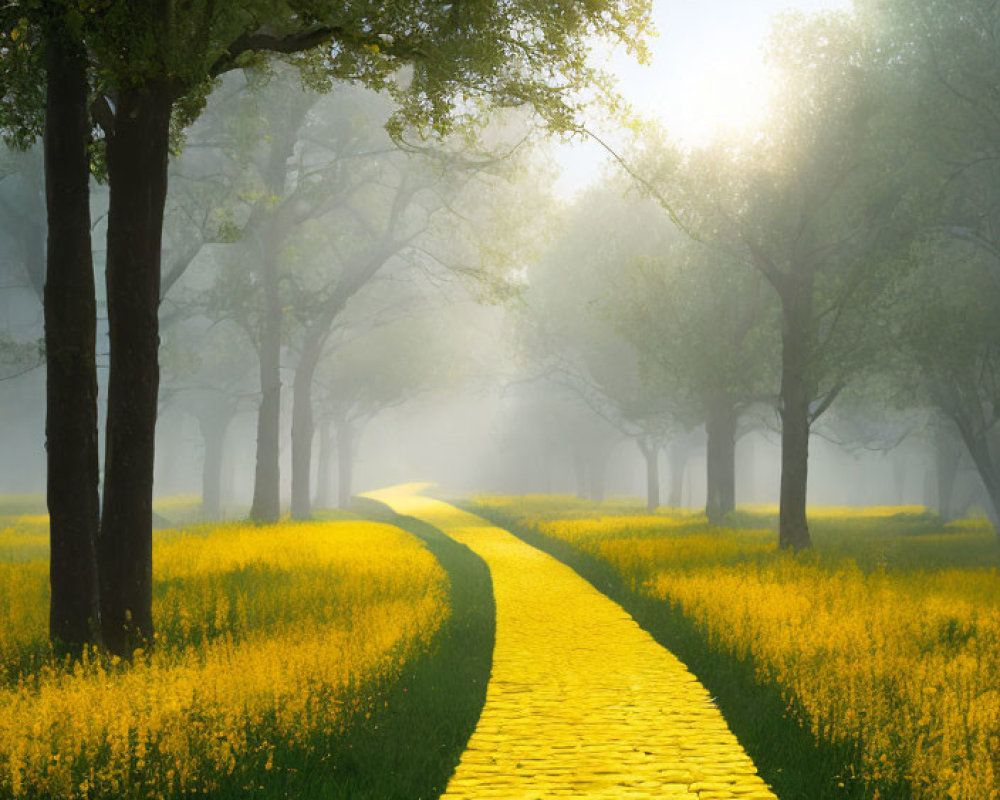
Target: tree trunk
{"points": [[651, 452], [989, 472], [677, 459], [321, 500], [137, 175], [947, 457], [213, 427], [302, 433], [266, 506], [345, 462], [70, 337], [720, 460], [793, 529]]}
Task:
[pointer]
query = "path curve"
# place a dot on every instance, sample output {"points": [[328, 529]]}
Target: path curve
{"points": [[581, 702]]}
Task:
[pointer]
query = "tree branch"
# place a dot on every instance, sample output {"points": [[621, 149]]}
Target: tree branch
{"points": [[261, 41]]}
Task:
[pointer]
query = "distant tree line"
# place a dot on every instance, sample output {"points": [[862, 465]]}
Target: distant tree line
{"points": [[844, 256]]}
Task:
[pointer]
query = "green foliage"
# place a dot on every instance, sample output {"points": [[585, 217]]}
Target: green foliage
{"points": [[705, 327], [22, 94], [453, 56]]}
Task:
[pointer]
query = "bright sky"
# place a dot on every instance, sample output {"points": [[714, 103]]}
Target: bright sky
{"points": [[707, 72]]}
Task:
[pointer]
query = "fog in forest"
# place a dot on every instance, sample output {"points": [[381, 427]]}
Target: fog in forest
{"points": [[348, 302]]}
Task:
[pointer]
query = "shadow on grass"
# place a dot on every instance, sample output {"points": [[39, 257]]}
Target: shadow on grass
{"points": [[788, 757], [404, 739]]}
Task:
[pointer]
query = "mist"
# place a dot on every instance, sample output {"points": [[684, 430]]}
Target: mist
{"points": [[348, 302]]}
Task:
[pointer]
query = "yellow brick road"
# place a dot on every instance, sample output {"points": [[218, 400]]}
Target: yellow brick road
{"points": [[581, 701]]}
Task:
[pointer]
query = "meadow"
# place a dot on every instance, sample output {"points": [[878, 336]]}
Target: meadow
{"points": [[277, 650], [882, 645]]}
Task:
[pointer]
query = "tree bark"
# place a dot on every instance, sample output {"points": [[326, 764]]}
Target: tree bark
{"points": [[796, 301], [70, 338], [651, 452], [345, 462], [137, 174], [302, 433], [266, 506], [720, 460]]}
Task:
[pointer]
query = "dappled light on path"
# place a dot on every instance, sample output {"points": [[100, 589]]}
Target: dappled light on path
{"points": [[581, 702]]}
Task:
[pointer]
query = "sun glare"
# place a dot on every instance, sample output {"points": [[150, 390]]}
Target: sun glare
{"points": [[726, 93]]}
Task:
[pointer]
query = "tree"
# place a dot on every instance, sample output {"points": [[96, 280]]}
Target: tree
{"points": [[570, 315], [812, 205], [207, 374], [704, 329], [951, 350], [371, 368], [947, 66], [70, 339], [151, 60]]}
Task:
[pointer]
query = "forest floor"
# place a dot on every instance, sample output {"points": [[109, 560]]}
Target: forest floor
{"points": [[581, 702]]}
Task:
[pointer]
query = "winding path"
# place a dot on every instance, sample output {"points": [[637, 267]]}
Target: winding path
{"points": [[581, 701]]}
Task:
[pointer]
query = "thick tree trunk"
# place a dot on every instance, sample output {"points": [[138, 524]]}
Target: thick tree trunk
{"points": [[345, 462], [793, 529], [321, 499], [266, 506], [70, 336], [720, 460], [651, 453], [302, 434], [137, 174]]}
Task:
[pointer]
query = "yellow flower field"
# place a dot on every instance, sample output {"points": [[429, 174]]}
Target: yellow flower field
{"points": [[902, 662], [267, 640]]}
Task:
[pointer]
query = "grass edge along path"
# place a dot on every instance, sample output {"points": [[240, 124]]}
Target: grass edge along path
{"points": [[398, 734], [789, 758], [408, 747], [582, 702]]}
